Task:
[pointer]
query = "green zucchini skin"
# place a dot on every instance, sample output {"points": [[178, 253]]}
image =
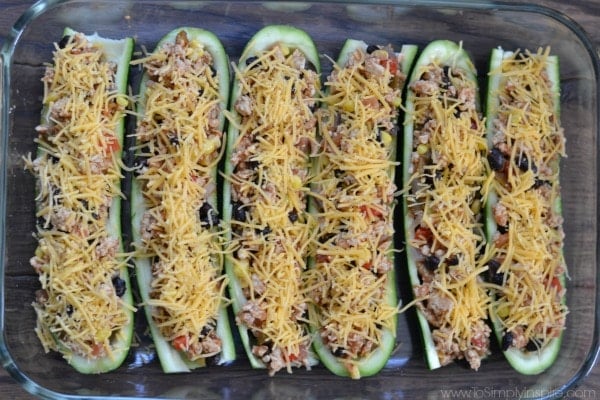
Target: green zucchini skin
{"points": [[446, 53], [261, 41], [172, 361], [533, 362], [372, 364], [118, 51]]}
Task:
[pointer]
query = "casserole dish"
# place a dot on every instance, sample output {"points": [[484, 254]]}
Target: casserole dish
{"points": [[480, 26]]}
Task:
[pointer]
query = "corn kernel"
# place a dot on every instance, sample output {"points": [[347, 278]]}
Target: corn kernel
{"points": [[296, 182], [210, 145], [386, 138], [50, 99], [240, 269], [39, 252], [122, 101], [284, 49], [502, 312], [476, 206], [422, 149], [348, 106], [102, 335]]}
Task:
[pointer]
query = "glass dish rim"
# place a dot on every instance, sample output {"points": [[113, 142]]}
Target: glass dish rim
{"points": [[10, 42]]}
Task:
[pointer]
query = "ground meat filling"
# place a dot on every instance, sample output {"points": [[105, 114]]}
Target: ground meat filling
{"points": [[270, 226], [176, 153], [447, 169], [354, 202], [525, 157]]}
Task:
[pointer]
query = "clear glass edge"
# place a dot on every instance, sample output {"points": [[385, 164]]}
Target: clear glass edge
{"points": [[38, 8]]}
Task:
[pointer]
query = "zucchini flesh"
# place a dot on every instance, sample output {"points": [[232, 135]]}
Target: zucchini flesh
{"points": [[423, 261], [526, 360], [176, 360], [118, 52], [376, 358], [260, 49]]}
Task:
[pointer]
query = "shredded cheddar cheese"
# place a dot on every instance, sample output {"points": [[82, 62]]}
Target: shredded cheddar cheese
{"points": [[448, 172], [179, 138], [529, 142], [79, 307], [271, 229], [354, 192]]}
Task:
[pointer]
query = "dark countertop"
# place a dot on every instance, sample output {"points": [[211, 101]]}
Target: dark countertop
{"points": [[585, 13]]}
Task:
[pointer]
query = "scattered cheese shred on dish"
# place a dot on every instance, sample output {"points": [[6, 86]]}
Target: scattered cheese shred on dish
{"points": [[179, 141], [271, 229], [528, 143], [447, 173], [354, 192], [79, 307]]}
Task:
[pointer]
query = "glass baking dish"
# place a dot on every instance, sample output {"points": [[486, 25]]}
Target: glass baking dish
{"points": [[480, 26]]}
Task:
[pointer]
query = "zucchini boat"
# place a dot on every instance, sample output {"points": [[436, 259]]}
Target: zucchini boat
{"points": [[524, 217], [444, 169], [179, 256], [352, 280], [271, 136], [84, 307]]}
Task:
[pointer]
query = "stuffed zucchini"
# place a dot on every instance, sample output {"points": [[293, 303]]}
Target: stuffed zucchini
{"points": [[524, 221], [271, 136], [179, 256], [353, 300], [84, 307], [444, 169]]}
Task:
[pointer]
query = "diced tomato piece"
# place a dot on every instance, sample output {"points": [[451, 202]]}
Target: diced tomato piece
{"points": [[555, 283], [180, 343], [391, 64], [368, 265], [369, 211], [370, 102], [323, 258], [477, 342], [97, 349], [423, 234], [112, 144]]}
